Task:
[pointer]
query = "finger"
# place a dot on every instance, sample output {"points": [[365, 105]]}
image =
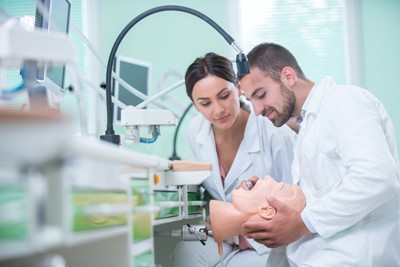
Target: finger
{"points": [[249, 183], [265, 242], [242, 185], [268, 243], [258, 235], [275, 203], [246, 184], [255, 225], [262, 241], [253, 179]]}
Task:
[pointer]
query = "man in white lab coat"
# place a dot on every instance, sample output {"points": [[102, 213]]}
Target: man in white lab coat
{"points": [[345, 161]]}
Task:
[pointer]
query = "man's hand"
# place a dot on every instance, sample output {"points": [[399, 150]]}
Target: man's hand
{"points": [[285, 228]]}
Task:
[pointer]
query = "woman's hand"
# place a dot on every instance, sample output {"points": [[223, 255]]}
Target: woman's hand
{"points": [[248, 184]]}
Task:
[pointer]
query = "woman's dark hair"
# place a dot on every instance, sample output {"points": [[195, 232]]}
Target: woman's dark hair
{"points": [[213, 64]]}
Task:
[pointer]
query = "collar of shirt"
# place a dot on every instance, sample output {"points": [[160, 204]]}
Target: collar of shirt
{"points": [[303, 111]]}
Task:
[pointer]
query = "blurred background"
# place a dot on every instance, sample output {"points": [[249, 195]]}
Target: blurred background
{"points": [[354, 41]]}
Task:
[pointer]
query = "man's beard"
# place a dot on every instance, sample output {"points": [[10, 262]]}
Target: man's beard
{"points": [[289, 102]]}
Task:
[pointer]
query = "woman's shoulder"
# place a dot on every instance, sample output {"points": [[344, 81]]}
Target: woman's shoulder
{"points": [[270, 129], [198, 129], [197, 123]]}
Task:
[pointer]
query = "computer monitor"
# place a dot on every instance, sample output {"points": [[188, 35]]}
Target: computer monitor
{"points": [[56, 19], [137, 74]]}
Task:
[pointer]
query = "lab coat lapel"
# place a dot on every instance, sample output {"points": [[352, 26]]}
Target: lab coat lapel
{"points": [[206, 142], [317, 98], [319, 95], [243, 160], [241, 163], [313, 107]]}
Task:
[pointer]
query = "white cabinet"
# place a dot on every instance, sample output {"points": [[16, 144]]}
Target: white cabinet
{"points": [[90, 204]]}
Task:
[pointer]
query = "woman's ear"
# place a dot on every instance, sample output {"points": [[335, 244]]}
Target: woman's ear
{"points": [[267, 211]]}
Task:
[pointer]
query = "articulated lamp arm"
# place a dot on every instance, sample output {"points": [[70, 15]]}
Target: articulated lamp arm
{"points": [[241, 60]]}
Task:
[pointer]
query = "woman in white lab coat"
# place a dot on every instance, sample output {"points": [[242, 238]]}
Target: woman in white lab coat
{"points": [[226, 134]]}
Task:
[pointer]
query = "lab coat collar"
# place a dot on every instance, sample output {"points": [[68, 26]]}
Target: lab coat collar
{"points": [[242, 161], [312, 105], [205, 139], [252, 145], [206, 134]]}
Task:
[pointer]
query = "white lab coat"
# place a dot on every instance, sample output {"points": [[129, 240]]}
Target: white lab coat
{"points": [[346, 162], [278, 149]]}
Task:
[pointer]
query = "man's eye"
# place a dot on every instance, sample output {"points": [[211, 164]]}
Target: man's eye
{"points": [[260, 96]]}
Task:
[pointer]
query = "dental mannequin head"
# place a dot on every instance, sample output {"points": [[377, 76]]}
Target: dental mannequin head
{"points": [[249, 205]]}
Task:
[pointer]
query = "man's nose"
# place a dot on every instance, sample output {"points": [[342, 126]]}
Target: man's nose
{"points": [[258, 107]]}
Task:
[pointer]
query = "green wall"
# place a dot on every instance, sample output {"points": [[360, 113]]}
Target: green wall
{"points": [[169, 40], [381, 54]]}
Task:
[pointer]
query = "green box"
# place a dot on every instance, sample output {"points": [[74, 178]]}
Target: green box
{"points": [[83, 199], [161, 196], [144, 260], [14, 224], [142, 227], [140, 192], [195, 197]]}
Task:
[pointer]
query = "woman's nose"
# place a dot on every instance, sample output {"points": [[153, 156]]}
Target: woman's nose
{"points": [[219, 108]]}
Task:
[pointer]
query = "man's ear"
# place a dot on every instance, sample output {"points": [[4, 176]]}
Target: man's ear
{"points": [[288, 76], [266, 211], [240, 90]]}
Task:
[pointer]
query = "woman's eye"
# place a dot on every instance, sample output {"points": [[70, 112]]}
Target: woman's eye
{"points": [[205, 104], [225, 96]]}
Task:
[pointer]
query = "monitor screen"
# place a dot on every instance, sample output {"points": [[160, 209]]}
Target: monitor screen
{"points": [[56, 19], [137, 74]]}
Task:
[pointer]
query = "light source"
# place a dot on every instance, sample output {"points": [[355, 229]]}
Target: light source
{"points": [[241, 60]]}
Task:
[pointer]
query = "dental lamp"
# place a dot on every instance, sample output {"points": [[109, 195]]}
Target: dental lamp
{"points": [[241, 60]]}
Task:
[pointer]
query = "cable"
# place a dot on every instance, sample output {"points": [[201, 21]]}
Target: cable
{"points": [[241, 58], [155, 134], [4, 94], [174, 154], [130, 88]]}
